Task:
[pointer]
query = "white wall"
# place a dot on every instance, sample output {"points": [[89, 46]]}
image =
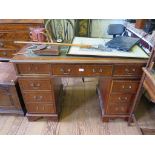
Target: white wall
{"points": [[99, 27]]}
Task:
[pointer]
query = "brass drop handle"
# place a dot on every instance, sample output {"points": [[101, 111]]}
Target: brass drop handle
{"points": [[100, 70], [1, 44], [38, 97], [4, 53], [68, 71], [35, 85], [94, 71], [126, 69], [123, 99], [133, 69], [37, 108]]}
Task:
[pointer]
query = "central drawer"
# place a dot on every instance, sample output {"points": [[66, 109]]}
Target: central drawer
{"points": [[124, 86], [40, 97], [28, 84], [82, 70]]}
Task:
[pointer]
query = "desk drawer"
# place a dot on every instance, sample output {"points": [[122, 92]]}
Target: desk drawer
{"points": [[35, 83], [128, 70], [33, 68], [120, 98], [40, 108], [124, 86], [82, 70], [119, 109], [40, 97]]}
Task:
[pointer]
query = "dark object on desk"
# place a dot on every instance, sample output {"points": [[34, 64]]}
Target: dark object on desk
{"points": [[149, 26], [122, 43], [116, 29], [50, 51]]}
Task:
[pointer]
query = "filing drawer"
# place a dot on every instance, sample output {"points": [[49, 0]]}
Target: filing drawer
{"points": [[33, 68], [40, 97], [121, 98], [128, 70], [35, 83], [124, 86], [82, 70], [40, 108], [119, 109], [12, 35]]}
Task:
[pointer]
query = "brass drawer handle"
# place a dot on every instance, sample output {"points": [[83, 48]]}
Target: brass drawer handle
{"points": [[129, 87], [68, 71], [5, 53], [123, 99], [1, 44], [37, 108], [35, 85], [94, 71], [133, 69], [37, 97]]}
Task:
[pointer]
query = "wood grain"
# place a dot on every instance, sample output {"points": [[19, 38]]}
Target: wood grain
{"points": [[80, 115]]}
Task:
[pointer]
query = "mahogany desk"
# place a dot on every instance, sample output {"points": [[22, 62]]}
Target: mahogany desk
{"points": [[40, 82]]}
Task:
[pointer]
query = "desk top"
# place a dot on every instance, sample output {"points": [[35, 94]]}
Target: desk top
{"points": [[64, 58]]}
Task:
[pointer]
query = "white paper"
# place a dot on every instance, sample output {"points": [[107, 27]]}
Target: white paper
{"points": [[136, 51]]}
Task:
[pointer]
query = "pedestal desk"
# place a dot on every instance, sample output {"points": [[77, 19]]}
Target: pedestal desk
{"points": [[40, 82]]}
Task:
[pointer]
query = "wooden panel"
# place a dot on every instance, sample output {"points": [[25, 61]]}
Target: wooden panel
{"points": [[21, 21], [118, 109], [128, 70], [41, 97], [35, 83], [82, 70], [40, 108], [8, 75], [7, 53], [22, 35], [5, 100], [120, 98], [5, 44], [124, 86], [19, 27], [33, 68]]}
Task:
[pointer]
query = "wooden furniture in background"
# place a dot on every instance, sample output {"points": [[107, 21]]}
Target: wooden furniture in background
{"points": [[39, 77], [15, 29], [10, 96], [140, 23], [147, 83]]}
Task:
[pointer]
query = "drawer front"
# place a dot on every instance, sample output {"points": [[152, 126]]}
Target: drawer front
{"points": [[40, 108], [22, 35], [7, 53], [33, 68], [82, 70], [35, 84], [128, 70], [19, 27], [119, 109], [40, 97], [121, 98], [124, 86]]}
